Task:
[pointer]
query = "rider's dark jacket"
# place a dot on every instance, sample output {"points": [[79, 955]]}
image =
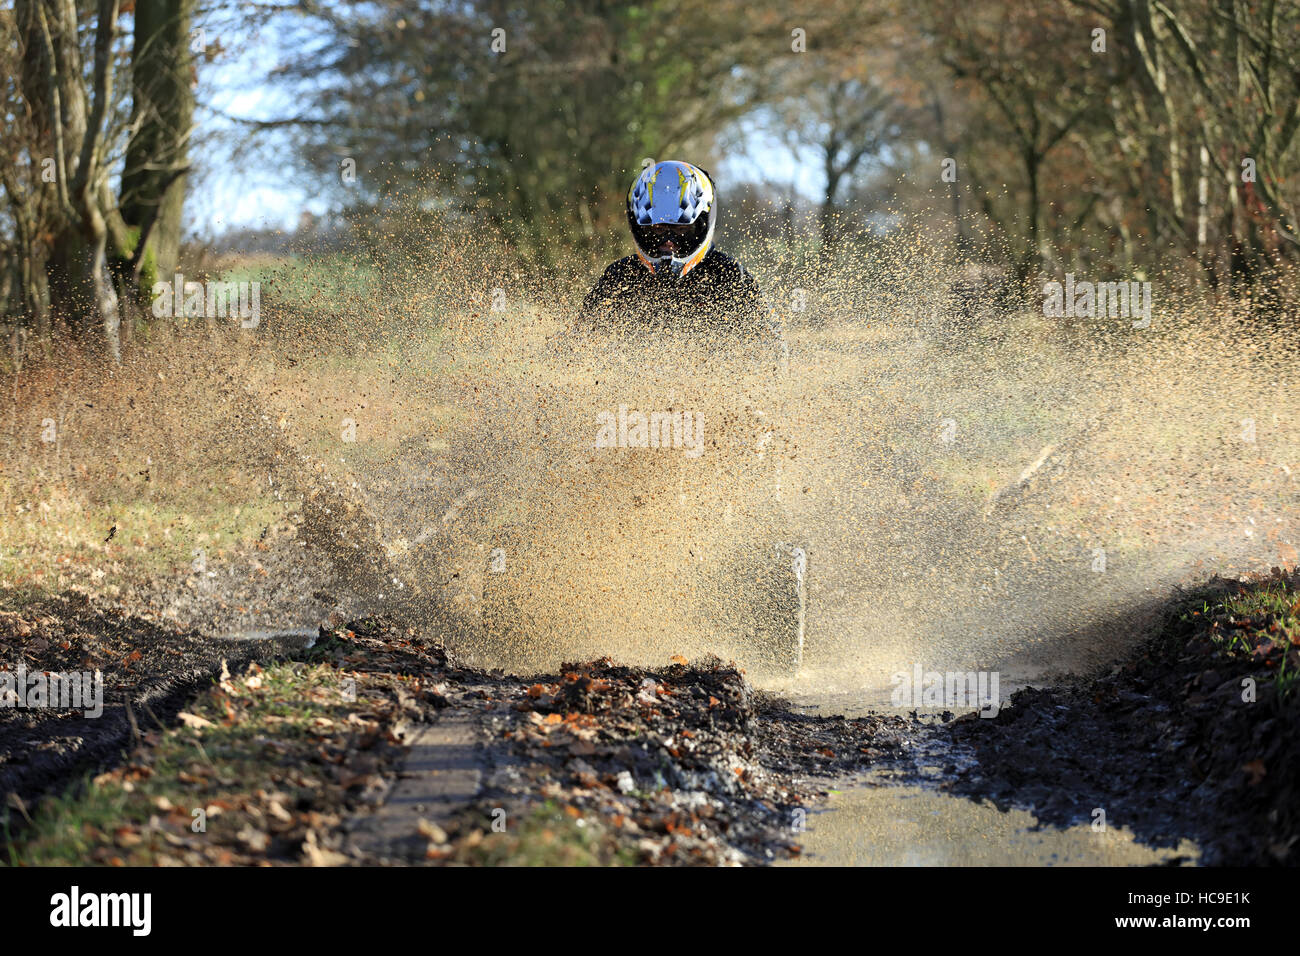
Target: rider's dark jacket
{"points": [[719, 295]]}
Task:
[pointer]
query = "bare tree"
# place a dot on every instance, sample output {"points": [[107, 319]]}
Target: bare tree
{"points": [[847, 122], [75, 258]]}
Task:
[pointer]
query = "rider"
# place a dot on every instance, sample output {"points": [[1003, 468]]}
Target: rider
{"points": [[678, 278]]}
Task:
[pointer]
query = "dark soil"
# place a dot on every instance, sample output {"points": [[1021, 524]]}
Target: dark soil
{"points": [[1164, 742], [683, 765], [149, 671]]}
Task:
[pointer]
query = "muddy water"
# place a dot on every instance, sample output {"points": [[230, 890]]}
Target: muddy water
{"points": [[1003, 501], [1003, 504], [878, 823], [901, 816], [1010, 501]]}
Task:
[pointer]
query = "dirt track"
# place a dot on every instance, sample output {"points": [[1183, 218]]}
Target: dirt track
{"points": [[687, 764], [684, 765]]}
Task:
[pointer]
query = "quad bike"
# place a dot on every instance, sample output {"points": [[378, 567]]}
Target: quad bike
{"points": [[703, 530]]}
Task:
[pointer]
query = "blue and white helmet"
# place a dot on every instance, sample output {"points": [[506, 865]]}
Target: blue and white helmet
{"points": [[672, 209]]}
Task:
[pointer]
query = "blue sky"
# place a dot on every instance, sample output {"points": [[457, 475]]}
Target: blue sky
{"points": [[238, 188]]}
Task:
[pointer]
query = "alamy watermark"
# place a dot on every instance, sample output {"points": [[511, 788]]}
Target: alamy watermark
{"points": [[76, 909], [1090, 300], [633, 429], [209, 300], [75, 690], [921, 688]]}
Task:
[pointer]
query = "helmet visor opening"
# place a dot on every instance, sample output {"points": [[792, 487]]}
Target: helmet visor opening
{"points": [[671, 239]]}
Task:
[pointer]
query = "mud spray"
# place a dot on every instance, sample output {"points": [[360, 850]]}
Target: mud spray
{"points": [[976, 488]]}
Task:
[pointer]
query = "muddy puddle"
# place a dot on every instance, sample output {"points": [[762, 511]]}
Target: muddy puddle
{"points": [[878, 821], [900, 816]]}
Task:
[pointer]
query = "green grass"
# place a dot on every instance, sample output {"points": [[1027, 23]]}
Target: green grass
{"points": [[1268, 614], [547, 836], [1260, 622], [302, 281], [153, 538], [125, 817]]}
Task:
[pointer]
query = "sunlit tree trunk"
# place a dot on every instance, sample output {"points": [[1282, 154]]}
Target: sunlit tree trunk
{"points": [[80, 287], [162, 113]]}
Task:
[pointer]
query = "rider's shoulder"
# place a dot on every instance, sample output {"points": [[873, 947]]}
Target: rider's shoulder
{"points": [[726, 267], [627, 266], [619, 277]]}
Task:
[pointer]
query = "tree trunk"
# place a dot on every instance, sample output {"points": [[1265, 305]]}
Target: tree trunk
{"points": [[1029, 261], [826, 215], [162, 73], [82, 292], [81, 289]]}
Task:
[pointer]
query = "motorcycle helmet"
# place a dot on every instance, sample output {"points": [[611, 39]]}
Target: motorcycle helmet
{"points": [[672, 209]]}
